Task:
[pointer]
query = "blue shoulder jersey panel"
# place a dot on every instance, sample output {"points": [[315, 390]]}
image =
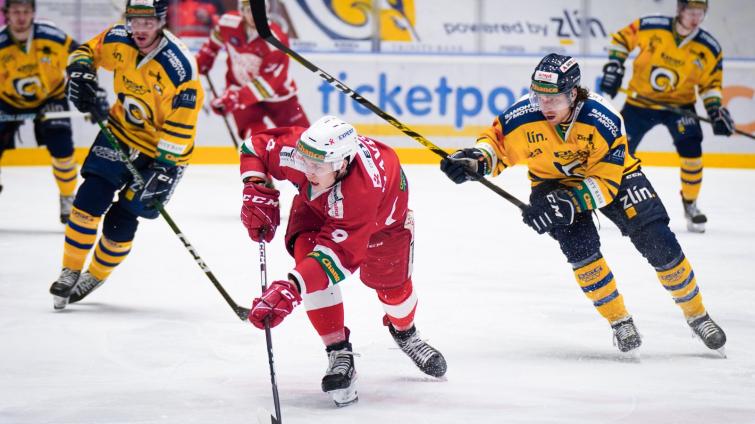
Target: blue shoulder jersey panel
{"points": [[603, 119], [47, 31], [706, 39], [118, 34], [5, 40], [656, 22], [520, 113], [178, 67]]}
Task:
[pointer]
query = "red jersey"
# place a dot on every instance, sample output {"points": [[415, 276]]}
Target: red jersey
{"points": [[372, 198], [251, 62]]}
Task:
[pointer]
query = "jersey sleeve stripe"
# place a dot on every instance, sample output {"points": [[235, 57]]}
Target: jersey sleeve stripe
{"points": [[179, 125], [178, 135]]}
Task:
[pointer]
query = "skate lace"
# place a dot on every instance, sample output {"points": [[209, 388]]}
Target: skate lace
{"points": [[340, 361], [68, 277], [706, 329], [66, 204], [625, 331], [691, 209], [418, 349], [86, 283]]}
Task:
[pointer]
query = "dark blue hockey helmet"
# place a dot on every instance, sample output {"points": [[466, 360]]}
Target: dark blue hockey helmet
{"points": [[692, 3], [8, 3], [555, 74]]}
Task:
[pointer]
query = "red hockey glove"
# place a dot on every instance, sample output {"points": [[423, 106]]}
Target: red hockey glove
{"points": [[260, 212], [276, 302], [233, 98], [205, 59]]}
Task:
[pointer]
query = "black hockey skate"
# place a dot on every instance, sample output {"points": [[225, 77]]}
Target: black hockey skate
{"points": [[62, 288], [695, 219], [66, 204], [340, 377], [709, 332], [428, 359], [625, 335], [86, 284]]}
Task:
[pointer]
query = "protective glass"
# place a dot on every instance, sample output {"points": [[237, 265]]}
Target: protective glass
{"points": [[311, 166], [143, 24], [559, 101]]}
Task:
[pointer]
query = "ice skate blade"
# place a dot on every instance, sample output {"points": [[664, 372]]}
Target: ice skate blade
{"points": [[345, 397], [722, 351], [695, 228], [59, 303]]}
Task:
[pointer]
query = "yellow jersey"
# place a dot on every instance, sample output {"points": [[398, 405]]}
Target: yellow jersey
{"points": [[158, 95], [588, 154], [32, 72], [666, 70]]}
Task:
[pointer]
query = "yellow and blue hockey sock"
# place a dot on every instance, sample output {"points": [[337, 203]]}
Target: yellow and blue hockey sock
{"points": [[81, 233], [679, 279], [107, 255], [692, 177], [597, 282], [64, 170]]}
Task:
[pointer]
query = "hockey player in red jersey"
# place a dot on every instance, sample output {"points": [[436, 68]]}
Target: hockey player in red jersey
{"points": [[258, 84], [351, 213]]}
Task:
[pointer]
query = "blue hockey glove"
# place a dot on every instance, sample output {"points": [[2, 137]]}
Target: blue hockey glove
{"points": [[465, 165], [82, 88], [159, 181], [613, 72], [560, 209], [721, 121]]}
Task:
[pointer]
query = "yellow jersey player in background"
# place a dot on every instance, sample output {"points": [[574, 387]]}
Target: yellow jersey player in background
{"points": [[158, 98], [33, 56], [573, 143], [676, 58]]}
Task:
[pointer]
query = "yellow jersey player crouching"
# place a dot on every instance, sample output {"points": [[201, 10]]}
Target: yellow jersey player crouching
{"points": [[33, 57], [575, 147], [158, 98]]}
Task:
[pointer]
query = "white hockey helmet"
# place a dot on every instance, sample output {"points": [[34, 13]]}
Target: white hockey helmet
{"points": [[329, 140]]}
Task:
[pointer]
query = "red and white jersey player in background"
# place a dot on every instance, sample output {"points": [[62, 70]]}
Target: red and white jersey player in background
{"points": [[258, 84], [351, 213]]}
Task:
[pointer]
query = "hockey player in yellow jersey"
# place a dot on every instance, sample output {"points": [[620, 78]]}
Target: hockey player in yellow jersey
{"points": [[574, 144], [33, 56], [158, 98], [676, 59]]}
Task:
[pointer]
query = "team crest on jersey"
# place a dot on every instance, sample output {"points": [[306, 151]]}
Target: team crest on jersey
{"points": [[28, 87]]}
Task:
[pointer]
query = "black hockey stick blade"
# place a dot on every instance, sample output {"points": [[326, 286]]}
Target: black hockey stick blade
{"points": [[265, 417], [259, 13]]}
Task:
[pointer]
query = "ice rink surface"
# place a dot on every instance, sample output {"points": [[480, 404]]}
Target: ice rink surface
{"points": [[158, 344]]}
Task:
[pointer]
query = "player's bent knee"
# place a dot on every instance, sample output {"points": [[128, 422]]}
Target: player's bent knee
{"points": [[656, 242]]}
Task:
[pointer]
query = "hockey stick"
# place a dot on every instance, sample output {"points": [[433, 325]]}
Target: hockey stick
{"points": [[225, 118], [260, 20], [242, 313], [268, 335], [43, 116], [677, 110]]}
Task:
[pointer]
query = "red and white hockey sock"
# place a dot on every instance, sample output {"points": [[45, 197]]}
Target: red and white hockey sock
{"points": [[399, 304], [325, 312]]}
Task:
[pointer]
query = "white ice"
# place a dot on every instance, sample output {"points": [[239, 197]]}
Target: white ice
{"points": [[158, 344]]}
